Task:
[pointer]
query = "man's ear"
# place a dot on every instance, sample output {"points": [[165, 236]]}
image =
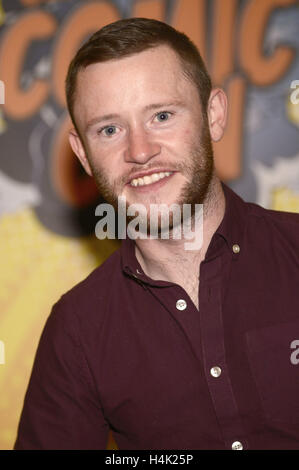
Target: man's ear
{"points": [[79, 150], [217, 113]]}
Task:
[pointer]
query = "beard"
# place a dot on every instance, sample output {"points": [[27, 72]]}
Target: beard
{"points": [[198, 170]]}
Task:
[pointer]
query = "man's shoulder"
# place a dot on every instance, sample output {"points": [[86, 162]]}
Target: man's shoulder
{"points": [[98, 286], [274, 221], [256, 217], [282, 218]]}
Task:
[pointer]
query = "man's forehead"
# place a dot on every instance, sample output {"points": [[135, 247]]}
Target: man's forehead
{"points": [[133, 82], [162, 57]]}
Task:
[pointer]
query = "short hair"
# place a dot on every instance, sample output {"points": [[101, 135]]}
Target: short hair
{"points": [[133, 35]]}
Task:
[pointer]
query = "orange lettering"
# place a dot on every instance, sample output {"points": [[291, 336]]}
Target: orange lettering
{"points": [[149, 9], [189, 17], [262, 70], [223, 40], [69, 179], [228, 150], [21, 104], [86, 20]]}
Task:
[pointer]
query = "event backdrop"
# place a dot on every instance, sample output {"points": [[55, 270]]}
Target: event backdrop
{"points": [[47, 202]]}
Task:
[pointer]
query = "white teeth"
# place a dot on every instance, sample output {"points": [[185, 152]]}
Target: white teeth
{"points": [[155, 177], [148, 179]]}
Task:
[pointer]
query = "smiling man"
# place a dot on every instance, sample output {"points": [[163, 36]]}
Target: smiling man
{"points": [[168, 348]]}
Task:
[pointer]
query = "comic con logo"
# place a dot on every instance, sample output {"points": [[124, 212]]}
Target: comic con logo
{"points": [[36, 47]]}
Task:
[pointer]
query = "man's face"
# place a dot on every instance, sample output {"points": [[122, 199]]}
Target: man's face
{"points": [[143, 131]]}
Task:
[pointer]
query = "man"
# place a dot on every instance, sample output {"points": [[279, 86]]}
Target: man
{"points": [[167, 347]]}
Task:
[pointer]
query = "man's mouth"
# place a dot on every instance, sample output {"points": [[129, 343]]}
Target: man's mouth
{"points": [[150, 179]]}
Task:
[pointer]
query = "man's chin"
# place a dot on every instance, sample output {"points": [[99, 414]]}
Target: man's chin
{"points": [[159, 220]]}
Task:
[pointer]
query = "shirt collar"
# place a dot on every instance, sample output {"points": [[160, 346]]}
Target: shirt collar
{"points": [[233, 225], [231, 230]]}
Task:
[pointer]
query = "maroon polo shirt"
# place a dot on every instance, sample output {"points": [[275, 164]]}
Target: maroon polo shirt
{"points": [[124, 352]]}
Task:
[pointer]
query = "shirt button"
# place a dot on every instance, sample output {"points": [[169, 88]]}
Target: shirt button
{"points": [[237, 445], [215, 371], [236, 248], [181, 304]]}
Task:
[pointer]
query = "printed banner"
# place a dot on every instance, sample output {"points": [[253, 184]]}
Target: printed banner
{"points": [[47, 202]]}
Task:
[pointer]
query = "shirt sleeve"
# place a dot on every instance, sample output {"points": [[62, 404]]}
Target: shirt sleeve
{"points": [[61, 409]]}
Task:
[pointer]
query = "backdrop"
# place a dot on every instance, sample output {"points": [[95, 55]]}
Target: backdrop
{"points": [[47, 202]]}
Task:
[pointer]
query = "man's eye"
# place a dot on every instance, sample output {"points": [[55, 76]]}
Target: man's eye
{"points": [[163, 116], [108, 130]]}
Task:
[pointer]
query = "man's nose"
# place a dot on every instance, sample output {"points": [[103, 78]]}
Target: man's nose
{"points": [[140, 147]]}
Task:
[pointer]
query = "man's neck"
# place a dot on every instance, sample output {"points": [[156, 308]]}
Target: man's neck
{"points": [[168, 260]]}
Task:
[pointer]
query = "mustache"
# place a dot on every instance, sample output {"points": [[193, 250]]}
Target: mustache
{"points": [[159, 166]]}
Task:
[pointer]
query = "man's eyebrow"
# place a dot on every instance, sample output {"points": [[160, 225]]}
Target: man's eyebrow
{"points": [[98, 119], [149, 107]]}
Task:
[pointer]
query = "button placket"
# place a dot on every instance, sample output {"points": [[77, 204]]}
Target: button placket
{"points": [[214, 351]]}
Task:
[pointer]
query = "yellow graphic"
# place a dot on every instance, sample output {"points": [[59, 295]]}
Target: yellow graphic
{"points": [[2, 352], [2, 14], [2, 123], [292, 110], [285, 199], [37, 267]]}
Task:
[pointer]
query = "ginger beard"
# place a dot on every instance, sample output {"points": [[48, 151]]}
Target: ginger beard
{"points": [[198, 170]]}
